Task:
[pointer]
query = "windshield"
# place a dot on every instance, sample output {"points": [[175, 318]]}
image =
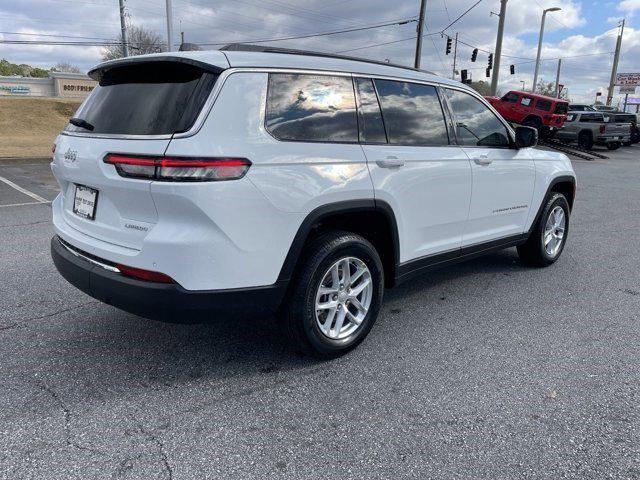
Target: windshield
{"points": [[146, 99]]}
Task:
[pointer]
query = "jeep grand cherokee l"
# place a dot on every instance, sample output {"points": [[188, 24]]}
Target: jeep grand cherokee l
{"points": [[243, 181]]}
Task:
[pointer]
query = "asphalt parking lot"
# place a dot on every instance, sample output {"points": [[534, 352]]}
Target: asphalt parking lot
{"points": [[484, 370]]}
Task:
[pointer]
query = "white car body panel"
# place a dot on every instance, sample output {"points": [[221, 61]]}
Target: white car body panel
{"points": [[503, 180], [430, 195]]}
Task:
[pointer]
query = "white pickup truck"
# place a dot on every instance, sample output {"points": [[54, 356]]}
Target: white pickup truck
{"points": [[590, 128]]}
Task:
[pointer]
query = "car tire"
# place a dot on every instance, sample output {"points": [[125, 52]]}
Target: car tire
{"points": [[585, 140], [613, 146], [535, 123], [543, 247], [333, 331]]}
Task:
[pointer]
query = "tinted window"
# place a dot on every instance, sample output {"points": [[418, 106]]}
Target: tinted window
{"points": [[149, 99], [510, 97], [369, 116], [315, 108], [591, 117], [475, 124], [412, 113], [561, 108], [543, 105], [526, 101]]}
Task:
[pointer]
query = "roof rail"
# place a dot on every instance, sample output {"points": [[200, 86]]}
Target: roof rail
{"points": [[248, 47]]}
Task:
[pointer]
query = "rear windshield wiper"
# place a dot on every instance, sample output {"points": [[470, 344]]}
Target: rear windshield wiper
{"points": [[79, 122]]}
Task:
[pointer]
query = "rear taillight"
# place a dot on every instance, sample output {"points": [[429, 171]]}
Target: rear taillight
{"points": [[603, 128], [179, 169], [146, 275]]}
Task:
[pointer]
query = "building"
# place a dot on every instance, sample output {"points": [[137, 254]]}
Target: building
{"points": [[58, 84]]}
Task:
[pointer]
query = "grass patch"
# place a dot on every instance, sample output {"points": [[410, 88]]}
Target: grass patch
{"points": [[29, 126]]}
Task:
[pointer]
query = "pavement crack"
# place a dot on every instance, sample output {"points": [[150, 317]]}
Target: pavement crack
{"points": [[24, 224], [161, 451], [69, 438]]}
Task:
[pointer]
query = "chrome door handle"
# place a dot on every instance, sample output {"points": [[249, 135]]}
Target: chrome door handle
{"points": [[482, 159], [390, 162]]}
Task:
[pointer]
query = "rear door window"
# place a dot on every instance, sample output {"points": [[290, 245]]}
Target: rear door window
{"points": [[370, 121], [412, 113], [526, 101], [146, 99], [591, 117], [311, 108], [543, 105]]}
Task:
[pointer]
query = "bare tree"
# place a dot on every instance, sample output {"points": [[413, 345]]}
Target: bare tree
{"points": [[65, 67], [482, 87], [548, 89], [141, 41]]}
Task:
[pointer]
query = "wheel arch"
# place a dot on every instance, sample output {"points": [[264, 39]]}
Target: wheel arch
{"points": [[564, 184], [373, 219]]}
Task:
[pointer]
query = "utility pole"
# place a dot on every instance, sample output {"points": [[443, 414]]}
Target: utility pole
{"points": [[423, 7], [558, 78], [455, 53], [498, 52], [123, 27], [169, 27], [614, 69]]}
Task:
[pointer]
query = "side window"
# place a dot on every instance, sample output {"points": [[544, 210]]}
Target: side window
{"points": [[591, 117], [314, 108], [543, 105], [412, 113], [526, 101], [510, 97], [476, 125], [369, 115]]}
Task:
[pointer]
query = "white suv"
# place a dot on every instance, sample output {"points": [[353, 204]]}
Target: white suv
{"points": [[260, 180]]}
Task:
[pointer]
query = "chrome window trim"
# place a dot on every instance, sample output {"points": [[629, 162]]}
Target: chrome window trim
{"points": [[72, 250], [225, 74]]}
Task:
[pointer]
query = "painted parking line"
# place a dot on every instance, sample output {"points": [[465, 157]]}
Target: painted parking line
{"points": [[25, 203], [35, 196]]}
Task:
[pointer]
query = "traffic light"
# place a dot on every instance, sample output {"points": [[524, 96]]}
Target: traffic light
{"points": [[463, 76], [512, 68], [474, 55], [448, 51], [488, 72], [490, 61]]}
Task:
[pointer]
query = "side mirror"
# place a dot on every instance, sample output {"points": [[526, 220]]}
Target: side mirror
{"points": [[526, 137]]}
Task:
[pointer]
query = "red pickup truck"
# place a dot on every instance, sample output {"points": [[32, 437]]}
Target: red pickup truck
{"points": [[547, 114]]}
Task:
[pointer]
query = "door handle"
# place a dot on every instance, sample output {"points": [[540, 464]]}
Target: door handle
{"points": [[390, 162], [482, 159]]}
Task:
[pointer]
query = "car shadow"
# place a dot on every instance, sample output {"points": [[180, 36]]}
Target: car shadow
{"points": [[118, 350]]}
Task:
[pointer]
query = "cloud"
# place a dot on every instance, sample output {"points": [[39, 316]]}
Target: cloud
{"points": [[629, 6]]}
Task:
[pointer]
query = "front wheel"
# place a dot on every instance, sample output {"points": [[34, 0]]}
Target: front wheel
{"points": [[336, 296], [549, 234]]}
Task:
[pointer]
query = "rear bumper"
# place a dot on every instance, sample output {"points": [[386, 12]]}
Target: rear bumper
{"points": [[167, 302]]}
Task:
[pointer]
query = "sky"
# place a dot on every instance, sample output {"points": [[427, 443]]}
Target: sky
{"points": [[583, 33]]}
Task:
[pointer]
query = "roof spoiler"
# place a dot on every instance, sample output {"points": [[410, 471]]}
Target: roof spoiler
{"points": [[98, 72], [248, 47]]}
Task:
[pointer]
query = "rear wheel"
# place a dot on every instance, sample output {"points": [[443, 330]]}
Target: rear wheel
{"points": [[549, 235], [337, 294], [585, 140]]}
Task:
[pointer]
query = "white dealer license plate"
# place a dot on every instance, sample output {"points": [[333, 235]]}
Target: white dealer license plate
{"points": [[84, 202]]}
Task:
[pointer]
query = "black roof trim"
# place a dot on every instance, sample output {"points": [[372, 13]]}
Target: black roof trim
{"points": [[248, 47], [97, 72]]}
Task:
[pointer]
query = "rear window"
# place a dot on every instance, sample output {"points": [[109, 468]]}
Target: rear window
{"points": [[147, 99], [311, 108], [561, 108], [592, 117]]}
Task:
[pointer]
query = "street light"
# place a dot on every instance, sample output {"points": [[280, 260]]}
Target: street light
{"points": [[535, 75]]}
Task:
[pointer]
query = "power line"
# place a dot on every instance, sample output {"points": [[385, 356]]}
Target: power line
{"points": [[462, 15]]}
